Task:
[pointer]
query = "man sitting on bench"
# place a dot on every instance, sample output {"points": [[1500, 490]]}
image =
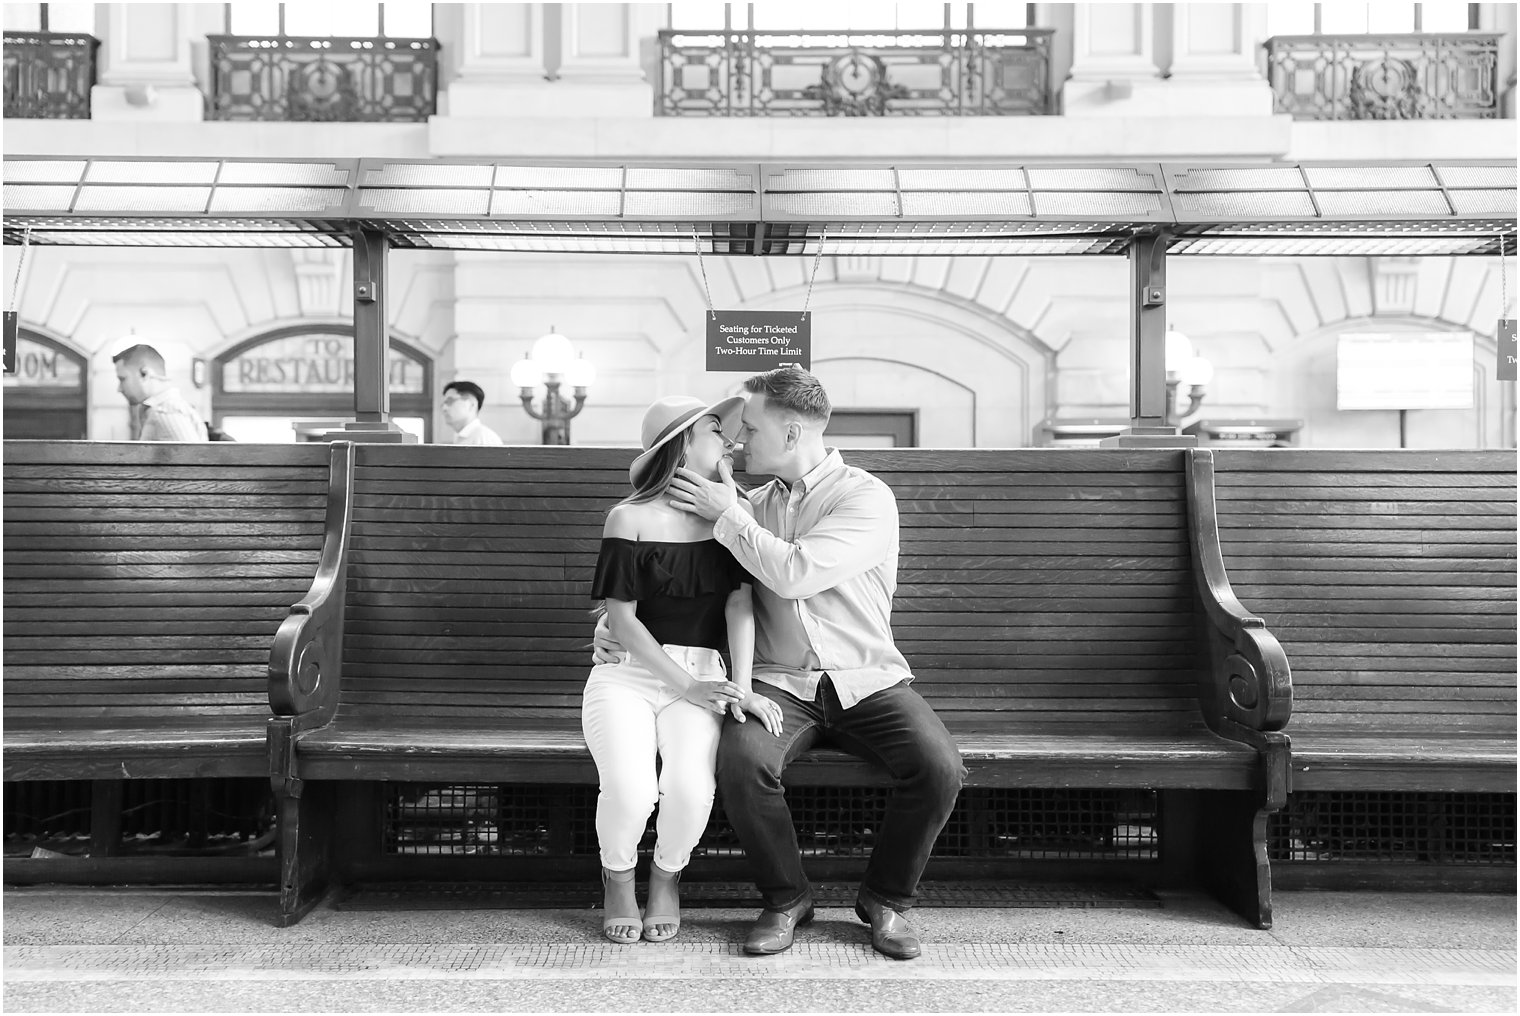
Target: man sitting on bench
{"points": [[821, 540]]}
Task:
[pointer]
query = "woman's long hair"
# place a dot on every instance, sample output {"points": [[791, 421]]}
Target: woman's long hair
{"points": [[652, 483], [661, 469]]}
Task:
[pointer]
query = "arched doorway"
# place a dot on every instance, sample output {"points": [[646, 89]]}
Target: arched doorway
{"points": [[290, 384], [888, 354], [47, 398]]}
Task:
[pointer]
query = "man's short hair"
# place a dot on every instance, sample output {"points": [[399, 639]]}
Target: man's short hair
{"points": [[141, 355], [793, 389], [469, 388]]}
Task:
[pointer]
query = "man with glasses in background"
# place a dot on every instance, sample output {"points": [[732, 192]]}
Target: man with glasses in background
{"points": [[461, 411]]}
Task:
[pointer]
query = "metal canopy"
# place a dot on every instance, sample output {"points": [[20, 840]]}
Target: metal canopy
{"points": [[1389, 208]]}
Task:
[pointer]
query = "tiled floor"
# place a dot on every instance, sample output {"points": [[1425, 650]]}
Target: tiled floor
{"points": [[135, 950]]}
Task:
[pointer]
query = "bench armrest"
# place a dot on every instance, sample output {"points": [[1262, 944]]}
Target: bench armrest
{"points": [[305, 664], [1249, 682]]}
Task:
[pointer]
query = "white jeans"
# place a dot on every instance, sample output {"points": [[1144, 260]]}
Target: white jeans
{"points": [[629, 717]]}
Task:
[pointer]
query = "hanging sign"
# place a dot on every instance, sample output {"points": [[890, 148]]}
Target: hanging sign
{"points": [[11, 327], [754, 341], [1507, 350]]}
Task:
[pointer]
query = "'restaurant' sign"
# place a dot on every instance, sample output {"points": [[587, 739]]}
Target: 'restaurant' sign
{"points": [[313, 363], [755, 341]]}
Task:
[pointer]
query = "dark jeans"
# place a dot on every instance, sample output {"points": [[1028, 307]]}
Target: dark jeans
{"points": [[895, 729]]}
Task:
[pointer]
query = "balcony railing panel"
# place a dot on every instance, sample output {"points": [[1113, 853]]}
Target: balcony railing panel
{"points": [[301, 78], [1385, 77], [953, 73], [48, 75]]}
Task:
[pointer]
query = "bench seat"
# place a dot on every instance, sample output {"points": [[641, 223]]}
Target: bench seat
{"points": [[1412, 761], [114, 749], [545, 752]]}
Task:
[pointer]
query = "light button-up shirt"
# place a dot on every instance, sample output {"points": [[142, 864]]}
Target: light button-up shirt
{"points": [[167, 416], [477, 433], [824, 556]]}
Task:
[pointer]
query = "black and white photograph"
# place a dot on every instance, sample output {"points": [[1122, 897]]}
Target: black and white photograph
{"points": [[779, 507]]}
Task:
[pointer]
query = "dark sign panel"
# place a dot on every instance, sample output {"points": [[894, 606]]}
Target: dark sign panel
{"points": [[755, 341], [1507, 350], [11, 325]]}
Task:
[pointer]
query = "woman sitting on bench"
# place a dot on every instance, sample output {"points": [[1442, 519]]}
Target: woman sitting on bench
{"points": [[674, 597]]}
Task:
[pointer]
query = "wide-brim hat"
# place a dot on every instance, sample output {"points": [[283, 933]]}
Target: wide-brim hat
{"points": [[666, 419]]}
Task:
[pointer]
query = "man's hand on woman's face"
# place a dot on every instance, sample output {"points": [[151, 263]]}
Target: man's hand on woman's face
{"points": [[692, 492]]}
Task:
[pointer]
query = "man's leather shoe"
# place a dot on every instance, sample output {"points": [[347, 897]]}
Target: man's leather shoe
{"points": [[891, 935], [774, 929]]}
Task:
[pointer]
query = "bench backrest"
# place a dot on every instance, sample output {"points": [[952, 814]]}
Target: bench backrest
{"points": [[1389, 578], [1043, 590], [146, 581]]}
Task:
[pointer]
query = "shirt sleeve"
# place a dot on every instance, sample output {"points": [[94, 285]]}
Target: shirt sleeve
{"points": [[618, 575], [853, 537], [162, 425], [737, 573]]}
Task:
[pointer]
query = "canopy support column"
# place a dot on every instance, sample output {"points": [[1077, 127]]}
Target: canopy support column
{"points": [[1147, 351], [371, 343]]}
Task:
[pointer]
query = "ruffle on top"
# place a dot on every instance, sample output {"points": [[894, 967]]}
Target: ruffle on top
{"points": [[642, 570]]}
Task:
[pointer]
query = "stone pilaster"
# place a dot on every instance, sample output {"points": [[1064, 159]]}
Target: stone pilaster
{"points": [[1214, 67], [146, 71], [564, 61], [499, 51], [1500, 17], [1113, 52], [1167, 61]]}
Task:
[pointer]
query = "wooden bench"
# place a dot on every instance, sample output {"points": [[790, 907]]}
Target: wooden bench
{"points": [[144, 584], [1389, 576], [1055, 606]]}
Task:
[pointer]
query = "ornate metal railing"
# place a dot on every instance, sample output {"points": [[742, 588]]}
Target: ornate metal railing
{"points": [[1418, 76], [322, 79], [48, 75], [951, 73]]}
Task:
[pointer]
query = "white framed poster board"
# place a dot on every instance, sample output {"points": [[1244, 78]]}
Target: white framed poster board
{"points": [[1404, 370]]}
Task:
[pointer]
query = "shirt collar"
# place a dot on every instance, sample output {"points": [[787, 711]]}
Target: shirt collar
{"points": [[832, 463], [166, 395], [470, 427]]}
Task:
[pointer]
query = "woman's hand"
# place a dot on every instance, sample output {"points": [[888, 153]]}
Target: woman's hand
{"points": [[605, 648], [714, 695], [761, 708]]}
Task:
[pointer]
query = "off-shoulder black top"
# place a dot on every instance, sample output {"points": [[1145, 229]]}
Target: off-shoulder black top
{"points": [[681, 588]]}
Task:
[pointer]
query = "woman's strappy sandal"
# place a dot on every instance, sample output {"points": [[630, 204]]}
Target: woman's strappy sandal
{"points": [[652, 920], [623, 929]]}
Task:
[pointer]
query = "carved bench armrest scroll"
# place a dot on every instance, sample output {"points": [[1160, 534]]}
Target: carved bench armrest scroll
{"points": [[1251, 681], [305, 662]]}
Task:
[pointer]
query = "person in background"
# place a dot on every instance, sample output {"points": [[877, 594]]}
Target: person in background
{"points": [[159, 411], [461, 411]]}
